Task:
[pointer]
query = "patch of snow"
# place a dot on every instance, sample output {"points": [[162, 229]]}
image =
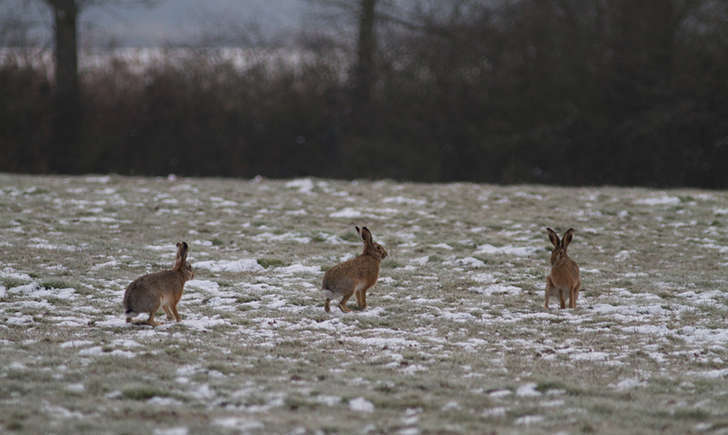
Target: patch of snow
{"points": [[495, 412], [658, 200], [171, 431], [702, 335], [60, 411], [164, 401], [413, 368], [527, 390], [203, 391], [270, 237], [96, 350], [303, 185], [443, 246], [76, 388], [346, 212], [204, 323], [35, 291], [328, 400], [76, 343], [380, 342], [300, 212], [222, 202], [332, 239], [100, 179], [623, 255], [500, 393], [169, 248], [51, 247], [404, 200], [361, 404], [298, 268], [420, 260], [589, 356], [102, 219], [106, 191], [520, 251], [529, 419], [710, 374], [111, 263], [628, 384], [497, 289], [123, 342], [241, 424], [470, 262], [23, 319], [237, 266], [208, 286]]}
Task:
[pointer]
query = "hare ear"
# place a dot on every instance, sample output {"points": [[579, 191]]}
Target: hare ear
{"points": [[357, 230], [366, 235], [553, 237], [181, 253], [568, 237]]}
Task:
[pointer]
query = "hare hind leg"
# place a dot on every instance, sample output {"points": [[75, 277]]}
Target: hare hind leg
{"points": [[562, 298], [573, 295], [549, 288], [174, 311], [361, 299], [342, 303], [168, 312], [363, 293], [150, 321]]}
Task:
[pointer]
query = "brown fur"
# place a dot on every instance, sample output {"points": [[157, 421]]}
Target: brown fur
{"points": [[564, 274], [355, 276], [147, 293]]}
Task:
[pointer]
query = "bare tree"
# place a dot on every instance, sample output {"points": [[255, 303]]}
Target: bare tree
{"points": [[363, 75], [67, 102]]}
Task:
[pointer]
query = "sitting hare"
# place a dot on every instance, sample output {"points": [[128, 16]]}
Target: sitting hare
{"points": [[564, 274], [354, 276], [146, 293]]}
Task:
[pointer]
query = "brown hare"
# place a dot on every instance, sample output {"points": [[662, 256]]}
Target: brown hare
{"points": [[146, 293], [354, 276], [564, 274]]}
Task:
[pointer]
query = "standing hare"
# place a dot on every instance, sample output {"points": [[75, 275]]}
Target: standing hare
{"points": [[354, 276], [564, 271], [146, 293]]}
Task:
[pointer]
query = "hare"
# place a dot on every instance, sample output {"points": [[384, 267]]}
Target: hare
{"points": [[146, 293], [354, 276], [564, 271]]}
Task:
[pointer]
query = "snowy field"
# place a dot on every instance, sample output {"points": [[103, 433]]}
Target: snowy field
{"points": [[455, 338]]}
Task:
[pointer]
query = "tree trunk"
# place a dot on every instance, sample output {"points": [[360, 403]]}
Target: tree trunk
{"points": [[364, 68], [64, 156]]}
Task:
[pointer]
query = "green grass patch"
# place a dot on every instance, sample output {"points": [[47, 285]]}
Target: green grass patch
{"points": [[270, 262], [13, 282], [58, 284]]}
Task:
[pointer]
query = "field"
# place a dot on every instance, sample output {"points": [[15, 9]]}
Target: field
{"points": [[455, 338]]}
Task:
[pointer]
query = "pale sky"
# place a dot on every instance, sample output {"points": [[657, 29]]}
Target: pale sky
{"points": [[173, 21]]}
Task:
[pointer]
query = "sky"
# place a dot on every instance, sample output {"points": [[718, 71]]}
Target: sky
{"points": [[173, 21]]}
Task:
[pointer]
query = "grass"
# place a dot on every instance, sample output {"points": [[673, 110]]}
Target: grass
{"points": [[268, 262], [441, 348]]}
